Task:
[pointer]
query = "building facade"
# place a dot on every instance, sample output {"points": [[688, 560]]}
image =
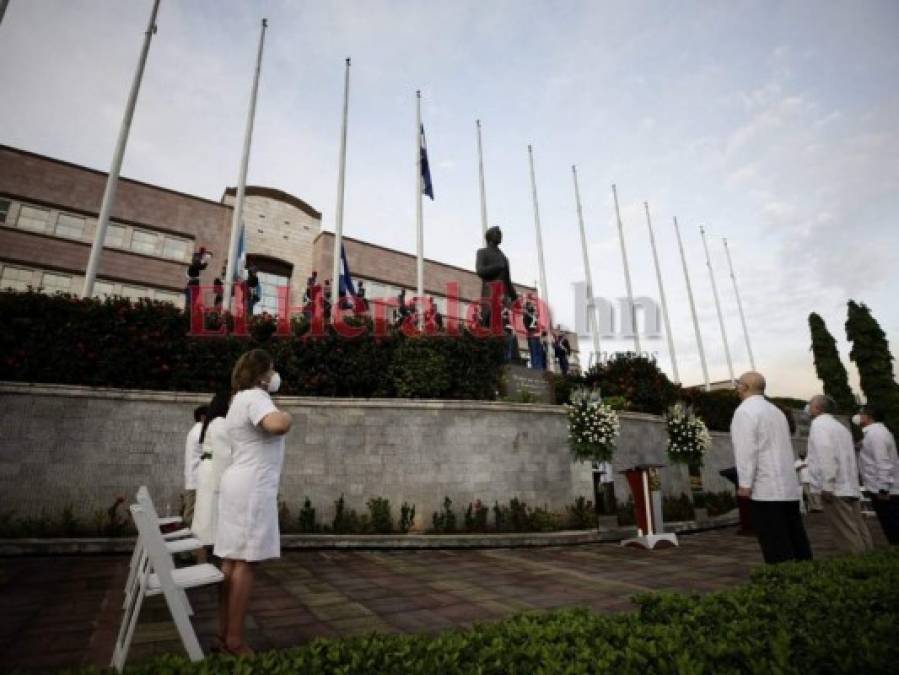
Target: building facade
{"points": [[48, 218]]}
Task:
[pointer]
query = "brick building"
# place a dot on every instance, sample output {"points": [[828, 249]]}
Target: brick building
{"points": [[48, 216]]}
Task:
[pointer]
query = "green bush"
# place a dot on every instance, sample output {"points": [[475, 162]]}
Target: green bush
{"points": [[444, 521], [379, 512], [581, 515], [637, 379], [476, 517], [307, 518], [837, 616], [407, 517], [61, 339]]}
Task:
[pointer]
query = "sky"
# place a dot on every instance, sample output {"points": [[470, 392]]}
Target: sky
{"points": [[773, 124]]}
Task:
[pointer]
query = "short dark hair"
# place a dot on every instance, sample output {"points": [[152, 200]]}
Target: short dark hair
{"points": [[872, 410], [200, 413]]}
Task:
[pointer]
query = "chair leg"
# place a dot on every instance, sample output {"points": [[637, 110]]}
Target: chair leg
{"points": [[129, 623], [132, 572], [178, 610]]}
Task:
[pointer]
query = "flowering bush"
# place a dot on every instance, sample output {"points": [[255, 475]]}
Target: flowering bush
{"points": [[593, 427], [688, 437]]}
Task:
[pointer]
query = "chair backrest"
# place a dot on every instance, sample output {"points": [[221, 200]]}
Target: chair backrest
{"points": [[144, 499], [148, 531]]}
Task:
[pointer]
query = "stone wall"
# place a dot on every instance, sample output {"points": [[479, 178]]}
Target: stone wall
{"points": [[82, 447]]}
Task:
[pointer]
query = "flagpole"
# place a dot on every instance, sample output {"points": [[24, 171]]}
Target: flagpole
{"points": [[419, 226], [683, 259], [338, 211], [237, 218], [591, 305], [627, 274], [112, 180], [655, 258], [739, 306], [481, 182], [3, 6], [543, 290], [708, 262]]}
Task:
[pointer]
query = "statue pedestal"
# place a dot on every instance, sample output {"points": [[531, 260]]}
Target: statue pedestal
{"points": [[523, 383]]}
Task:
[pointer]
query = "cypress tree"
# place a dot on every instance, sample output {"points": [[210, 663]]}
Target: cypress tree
{"points": [[871, 354], [830, 369]]}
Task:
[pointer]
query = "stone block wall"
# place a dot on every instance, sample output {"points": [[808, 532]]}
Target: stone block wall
{"points": [[82, 447]]}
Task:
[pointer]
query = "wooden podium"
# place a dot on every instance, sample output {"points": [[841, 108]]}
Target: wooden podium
{"points": [[647, 537]]}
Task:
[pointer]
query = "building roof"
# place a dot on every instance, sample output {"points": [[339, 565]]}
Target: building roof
{"points": [[273, 193]]}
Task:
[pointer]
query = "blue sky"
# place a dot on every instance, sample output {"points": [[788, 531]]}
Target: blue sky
{"points": [[773, 124]]}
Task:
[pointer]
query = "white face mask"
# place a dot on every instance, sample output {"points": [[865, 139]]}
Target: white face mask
{"points": [[857, 420], [274, 384]]}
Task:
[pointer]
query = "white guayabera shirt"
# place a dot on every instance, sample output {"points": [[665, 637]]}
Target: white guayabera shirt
{"points": [[192, 452], [763, 451], [879, 463], [831, 458]]}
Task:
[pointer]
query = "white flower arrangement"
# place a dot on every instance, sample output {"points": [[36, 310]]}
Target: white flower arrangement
{"points": [[593, 427], [688, 437]]}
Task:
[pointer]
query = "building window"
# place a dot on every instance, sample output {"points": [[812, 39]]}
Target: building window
{"points": [[70, 226], [115, 236], [34, 219], [144, 242], [175, 248], [134, 292], [4, 210], [103, 289], [268, 292], [56, 283], [16, 278]]}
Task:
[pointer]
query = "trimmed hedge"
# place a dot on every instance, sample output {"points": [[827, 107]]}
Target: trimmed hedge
{"points": [[837, 616], [61, 339]]}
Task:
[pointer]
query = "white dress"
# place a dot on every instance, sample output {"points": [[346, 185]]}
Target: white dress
{"points": [[217, 458], [248, 496]]}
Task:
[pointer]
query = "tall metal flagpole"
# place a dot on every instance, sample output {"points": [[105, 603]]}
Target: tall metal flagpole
{"points": [[708, 262], [481, 179], [627, 274], [683, 259], [543, 290], [419, 226], [237, 218], [3, 5], [112, 180], [655, 259], [338, 211], [739, 306], [588, 277]]}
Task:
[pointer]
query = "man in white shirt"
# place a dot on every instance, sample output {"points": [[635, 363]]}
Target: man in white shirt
{"points": [[833, 474], [192, 453], [765, 474], [880, 469]]}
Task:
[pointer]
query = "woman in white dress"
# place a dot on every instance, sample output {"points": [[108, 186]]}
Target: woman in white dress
{"points": [[216, 457], [248, 494]]}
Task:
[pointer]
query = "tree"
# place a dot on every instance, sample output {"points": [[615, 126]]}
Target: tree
{"points": [[830, 369], [871, 354]]}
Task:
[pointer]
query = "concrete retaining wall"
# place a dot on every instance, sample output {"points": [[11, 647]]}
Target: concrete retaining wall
{"points": [[81, 446]]}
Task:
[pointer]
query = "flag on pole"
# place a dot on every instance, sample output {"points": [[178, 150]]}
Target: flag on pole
{"points": [[426, 187], [346, 280], [241, 256]]}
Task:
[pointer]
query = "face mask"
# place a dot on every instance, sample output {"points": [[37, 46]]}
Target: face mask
{"points": [[857, 420], [807, 410], [274, 384]]}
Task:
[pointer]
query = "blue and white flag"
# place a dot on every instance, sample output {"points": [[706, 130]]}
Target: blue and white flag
{"points": [[426, 187], [346, 280]]}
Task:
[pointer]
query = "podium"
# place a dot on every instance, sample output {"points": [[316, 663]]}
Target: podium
{"points": [[647, 522], [743, 504]]}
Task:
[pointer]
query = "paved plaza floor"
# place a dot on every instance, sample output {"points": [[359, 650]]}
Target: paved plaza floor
{"points": [[64, 611]]}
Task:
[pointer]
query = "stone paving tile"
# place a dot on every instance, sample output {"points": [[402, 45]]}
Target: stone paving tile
{"points": [[64, 611]]}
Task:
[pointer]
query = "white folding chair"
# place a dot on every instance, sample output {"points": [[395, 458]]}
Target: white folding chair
{"points": [[163, 578], [177, 541]]}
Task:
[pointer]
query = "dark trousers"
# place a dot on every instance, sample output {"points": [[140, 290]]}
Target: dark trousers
{"points": [[888, 514], [780, 531]]}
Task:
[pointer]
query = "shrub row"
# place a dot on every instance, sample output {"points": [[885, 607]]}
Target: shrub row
{"points": [[61, 339], [836, 616]]}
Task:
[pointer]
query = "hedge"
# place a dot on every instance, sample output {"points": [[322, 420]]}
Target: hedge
{"points": [[61, 339], [836, 616]]}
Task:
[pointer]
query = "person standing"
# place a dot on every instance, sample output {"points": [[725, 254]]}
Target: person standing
{"points": [[833, 473], [248, 494], [562, 349], [765, 474], [215, 459], [880, 469], [532, 329], [192, 452]]}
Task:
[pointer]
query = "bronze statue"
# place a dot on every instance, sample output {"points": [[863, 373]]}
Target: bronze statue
{"points": [[492, 267]]}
